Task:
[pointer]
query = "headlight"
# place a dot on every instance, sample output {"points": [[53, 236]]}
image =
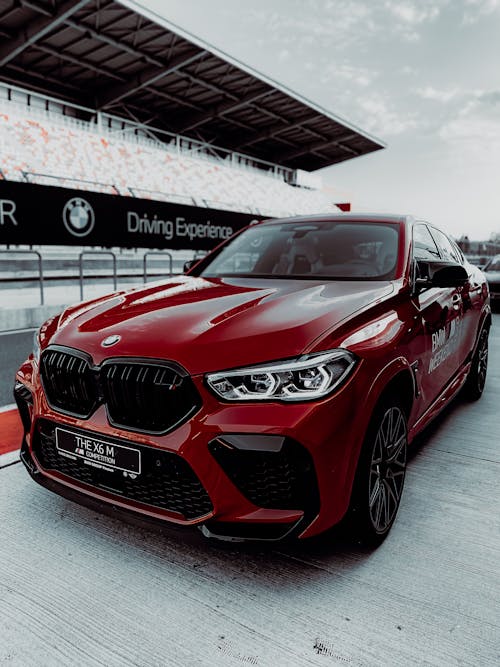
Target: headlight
{"points": [[40, 337], [305, 378], [36, 345]]}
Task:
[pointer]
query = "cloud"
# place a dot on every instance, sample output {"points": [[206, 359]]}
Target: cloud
{"points": [[408, 16], [344, 23], [476, 9], [474, 130], [407, 70], [489, 97], [461, 115], [342, 72], [383, 119], [479, 130], [443, 95], [413, 13], [304, 22]]}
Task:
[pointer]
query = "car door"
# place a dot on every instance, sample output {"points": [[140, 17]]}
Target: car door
{"points": [[439, 314], [471, 297]]}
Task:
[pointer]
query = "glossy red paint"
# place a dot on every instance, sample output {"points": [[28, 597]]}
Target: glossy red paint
{"points": [[213, 324]]}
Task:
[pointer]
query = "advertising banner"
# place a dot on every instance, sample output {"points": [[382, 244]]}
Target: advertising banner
{"points": [[48, 215]]}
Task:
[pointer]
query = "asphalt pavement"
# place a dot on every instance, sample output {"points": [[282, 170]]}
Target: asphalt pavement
{"points": [[80, 588], [14, 348]]}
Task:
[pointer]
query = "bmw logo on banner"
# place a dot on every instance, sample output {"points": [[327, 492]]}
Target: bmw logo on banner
{"points": [[78, 217]]}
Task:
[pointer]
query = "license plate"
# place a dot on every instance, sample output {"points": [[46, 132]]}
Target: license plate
{"points": [[98, 453]]}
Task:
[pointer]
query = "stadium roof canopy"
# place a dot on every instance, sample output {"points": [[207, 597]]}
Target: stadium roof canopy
{"points": [[121, 58]]}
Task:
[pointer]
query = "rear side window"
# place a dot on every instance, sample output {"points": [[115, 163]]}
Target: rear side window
{"points": [[448, 250], [460, 254], [424, 246], [493, 264]]}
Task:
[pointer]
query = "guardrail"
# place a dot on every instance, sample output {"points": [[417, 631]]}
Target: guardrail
{"points": [[68, 179], [169, 196], [96, 252], [40, 267], [80, 275], [157, 253]]}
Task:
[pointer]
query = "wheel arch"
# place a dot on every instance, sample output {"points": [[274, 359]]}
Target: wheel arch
{"points": [[402, 386], [396, 379], [485, 323], [396, 388]]}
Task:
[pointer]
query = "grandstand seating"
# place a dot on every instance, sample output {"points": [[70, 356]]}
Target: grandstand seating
{"points": [[49, 148]]}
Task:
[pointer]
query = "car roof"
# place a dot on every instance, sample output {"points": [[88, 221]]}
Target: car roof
{"points": [[343, 217]]}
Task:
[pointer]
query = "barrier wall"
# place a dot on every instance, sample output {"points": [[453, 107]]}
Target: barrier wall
{"points": [[49, 215]]}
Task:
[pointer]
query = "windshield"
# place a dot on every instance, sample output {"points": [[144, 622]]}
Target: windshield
{"points": [[330, 250]]}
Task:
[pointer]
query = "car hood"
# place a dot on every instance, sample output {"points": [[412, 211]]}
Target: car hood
{"points": [[216, 323]]}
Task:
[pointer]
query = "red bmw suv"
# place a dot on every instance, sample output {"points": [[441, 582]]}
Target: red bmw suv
{"points": [[271, 390]]}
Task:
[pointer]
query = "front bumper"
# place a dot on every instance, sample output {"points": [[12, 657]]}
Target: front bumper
{"points": [[253, 492]]}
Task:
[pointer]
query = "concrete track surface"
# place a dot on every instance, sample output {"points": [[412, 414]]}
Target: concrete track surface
{"points": [[14, 349], [78, 588]]}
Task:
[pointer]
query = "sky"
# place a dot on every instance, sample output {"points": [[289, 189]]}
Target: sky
{"points": [[423, 76]]}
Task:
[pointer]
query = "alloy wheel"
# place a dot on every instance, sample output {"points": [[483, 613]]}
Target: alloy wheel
{"points": [[387, 469], [482, 361]]}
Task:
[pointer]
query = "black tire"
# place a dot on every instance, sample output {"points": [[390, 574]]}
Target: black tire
{"points": [[380, 475], [476, 379]]}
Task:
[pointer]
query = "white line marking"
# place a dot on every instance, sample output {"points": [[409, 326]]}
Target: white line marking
{"points": [[11, 332], [7, 408], [9, 458]]}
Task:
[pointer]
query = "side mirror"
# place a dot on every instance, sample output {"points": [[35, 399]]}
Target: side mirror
{"points": [[441, 274], [453, 275], [189, 265]]}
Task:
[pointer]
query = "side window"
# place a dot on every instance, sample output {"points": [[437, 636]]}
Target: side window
{"points": [[446, 247], [423, 244]]}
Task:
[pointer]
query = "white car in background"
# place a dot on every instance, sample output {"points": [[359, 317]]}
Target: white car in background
{"points": [[492, 272]]}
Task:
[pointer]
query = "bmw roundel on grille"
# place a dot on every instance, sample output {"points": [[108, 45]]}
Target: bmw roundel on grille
{"points": [[78, 217], [111, 340]]}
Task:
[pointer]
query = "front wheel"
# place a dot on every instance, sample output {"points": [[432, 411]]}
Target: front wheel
{"points": [[476, 379], [380, 475]]}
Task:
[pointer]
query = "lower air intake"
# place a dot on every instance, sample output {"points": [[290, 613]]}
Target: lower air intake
{"points": [[282, 479], [167, 481]]}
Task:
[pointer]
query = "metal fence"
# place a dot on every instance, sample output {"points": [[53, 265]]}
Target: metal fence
{"points": [[79, 271]]}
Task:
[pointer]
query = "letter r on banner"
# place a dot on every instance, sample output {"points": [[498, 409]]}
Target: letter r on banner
{"points": [[7, 210]]}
